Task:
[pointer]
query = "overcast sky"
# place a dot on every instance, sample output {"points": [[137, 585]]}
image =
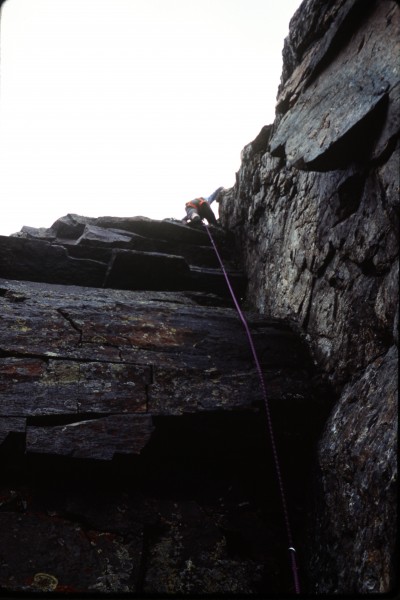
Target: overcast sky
{"points": [[130, 107]]}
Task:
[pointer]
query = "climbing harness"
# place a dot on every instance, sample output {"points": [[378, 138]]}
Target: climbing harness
{"points": [[291, 549]]}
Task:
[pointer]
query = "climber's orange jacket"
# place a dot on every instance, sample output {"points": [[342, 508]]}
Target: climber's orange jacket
{"points": [[196, 203]]}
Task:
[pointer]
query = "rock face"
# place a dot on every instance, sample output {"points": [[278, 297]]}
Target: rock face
{"points": [[315, 213], [135, 253], [134, 450], [133, 442]]}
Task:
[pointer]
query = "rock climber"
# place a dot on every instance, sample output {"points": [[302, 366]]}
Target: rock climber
{"points": [[199, 209]]}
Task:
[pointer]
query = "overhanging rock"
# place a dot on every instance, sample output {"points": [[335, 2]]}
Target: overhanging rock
{"points": [[352, 84]]}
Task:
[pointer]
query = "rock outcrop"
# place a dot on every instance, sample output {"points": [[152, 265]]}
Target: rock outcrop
{"points": [[315, 210], [135, 253], [133, 444], [134, 447]]}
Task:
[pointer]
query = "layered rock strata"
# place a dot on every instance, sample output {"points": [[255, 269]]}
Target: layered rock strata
{"points": [[315, 210], [132, 430], [134, 447], [135, 253]]}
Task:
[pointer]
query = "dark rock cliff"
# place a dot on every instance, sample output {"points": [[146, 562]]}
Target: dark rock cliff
{"points": [[315, 210], [133, 441]]}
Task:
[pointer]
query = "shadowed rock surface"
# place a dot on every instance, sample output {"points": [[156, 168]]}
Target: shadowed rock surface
{"points": [[132, 425], [135, 253], [133, 443], [315, 210]]}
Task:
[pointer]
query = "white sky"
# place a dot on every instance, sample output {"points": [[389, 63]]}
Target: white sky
{"points": [[130, 107]]}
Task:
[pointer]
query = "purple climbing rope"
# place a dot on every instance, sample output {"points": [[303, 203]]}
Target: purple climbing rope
{"points": [[291, 549]]}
